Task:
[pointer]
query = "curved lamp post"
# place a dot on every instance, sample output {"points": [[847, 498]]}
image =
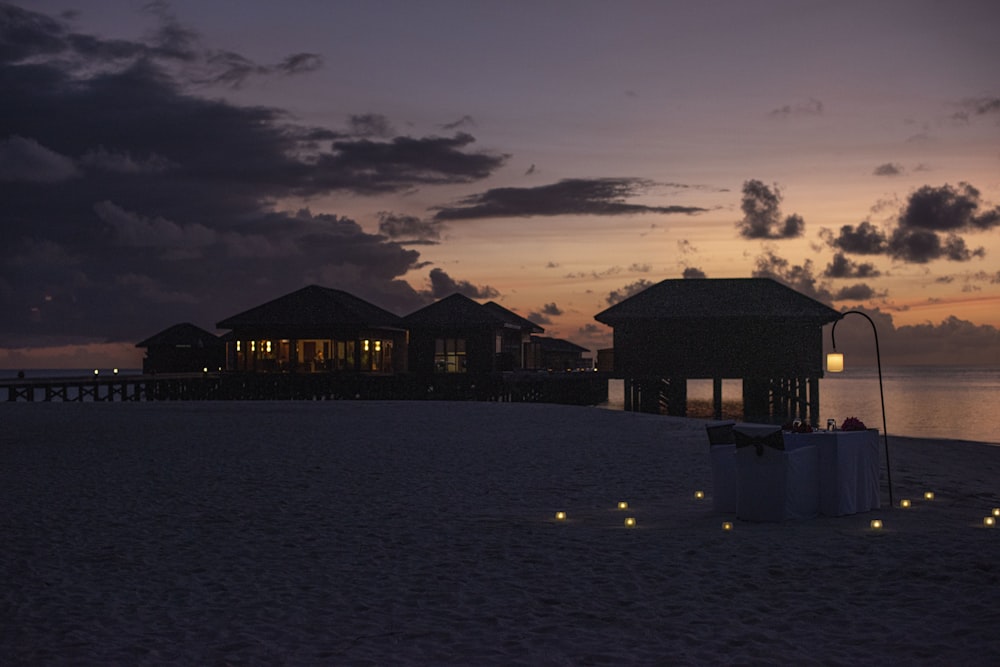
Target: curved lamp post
{"points": [[835, 364]]}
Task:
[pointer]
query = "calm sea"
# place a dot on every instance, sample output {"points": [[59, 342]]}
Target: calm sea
{"points": [[953, 402]]}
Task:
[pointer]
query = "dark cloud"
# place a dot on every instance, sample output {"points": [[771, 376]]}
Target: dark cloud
{"points": [[858, 292], [552, 310], [371, 125], [928, 227], [888, 169], [799, 277], [762, 215], [408, 228], [842, 267], [599, 196], [443, 285], [865, 239], [978, 106], [131, 202], [618, 295], [693, 272], [810, 107], [464, 121]]}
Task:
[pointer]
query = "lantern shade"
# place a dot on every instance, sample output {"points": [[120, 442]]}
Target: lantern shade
{"points": [[835, 362]]}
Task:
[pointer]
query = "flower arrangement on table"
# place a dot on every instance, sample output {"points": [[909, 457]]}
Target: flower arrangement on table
{"points": [[853, 424]]}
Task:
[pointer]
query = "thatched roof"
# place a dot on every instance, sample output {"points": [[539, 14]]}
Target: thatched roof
{"points": [[726, 298], [184, 334], [314, 306]]}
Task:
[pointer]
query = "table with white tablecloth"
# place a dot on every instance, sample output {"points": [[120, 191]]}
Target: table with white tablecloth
{"points": [[848, 469], [774, 476]]}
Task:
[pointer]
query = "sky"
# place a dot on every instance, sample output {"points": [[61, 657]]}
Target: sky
{"points": [[182, 161]]}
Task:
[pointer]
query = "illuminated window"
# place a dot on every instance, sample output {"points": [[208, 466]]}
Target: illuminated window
{"points": [[449, 355]]}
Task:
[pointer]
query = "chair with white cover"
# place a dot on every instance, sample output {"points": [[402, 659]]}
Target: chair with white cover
{"points": [[725, 483]]}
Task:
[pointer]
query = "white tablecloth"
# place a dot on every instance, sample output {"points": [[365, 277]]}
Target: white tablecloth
{"points": [[848, 469], [831, 473], [775, 484]]}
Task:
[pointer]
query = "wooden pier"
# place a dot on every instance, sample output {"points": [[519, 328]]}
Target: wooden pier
{"points": [[567, 388]]}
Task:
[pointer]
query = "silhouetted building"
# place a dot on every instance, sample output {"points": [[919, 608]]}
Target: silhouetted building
{"points": [[459, 335], [755, 329], [183, 348], [316, 329], [562, 355]]}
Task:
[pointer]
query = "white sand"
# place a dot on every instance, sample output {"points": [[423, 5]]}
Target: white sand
{"points": [[384, 533]]}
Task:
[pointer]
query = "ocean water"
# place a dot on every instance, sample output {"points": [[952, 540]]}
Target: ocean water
{"points": [[954, 402]]}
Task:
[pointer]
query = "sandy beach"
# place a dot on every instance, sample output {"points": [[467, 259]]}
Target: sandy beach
{"points": [[423, 533]]}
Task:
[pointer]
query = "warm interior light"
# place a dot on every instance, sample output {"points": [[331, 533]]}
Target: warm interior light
{"points": [[622, 505], [365, 345], [630, 522], [560, 516], [989, 521], [699, 494], [876, 524], [727, 525], [996, 511], [905, 502], [835, 362], [928, 495], [237, 346], [267, 346]]}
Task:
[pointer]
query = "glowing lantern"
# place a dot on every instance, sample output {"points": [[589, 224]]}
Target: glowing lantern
{"points": [[115, 371], [835, 362], [96, 371], [699, 494], [727, 525], [876, 524], [622, 505], [928, 495], [630, 522], [996, 511], [989, 521], [904, 503], [560, 516]]}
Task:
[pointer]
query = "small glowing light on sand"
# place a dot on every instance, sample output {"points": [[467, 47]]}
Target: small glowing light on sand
{"points": [[630, 522], [622, 505], [928, 495], [989, 521], [876, 524], [727, 525], [560, 516], [905, 502], [699, 494]]}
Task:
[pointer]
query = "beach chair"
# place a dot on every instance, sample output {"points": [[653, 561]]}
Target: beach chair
{"points": [[722, 449]]}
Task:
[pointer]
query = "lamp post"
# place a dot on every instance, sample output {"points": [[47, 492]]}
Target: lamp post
{"points": [[835, 364]]}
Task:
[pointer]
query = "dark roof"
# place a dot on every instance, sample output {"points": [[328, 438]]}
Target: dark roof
{"points": [[512, 318], [182, 334], [453, 311], [314, 306], [558, 345], [707, 298]]}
